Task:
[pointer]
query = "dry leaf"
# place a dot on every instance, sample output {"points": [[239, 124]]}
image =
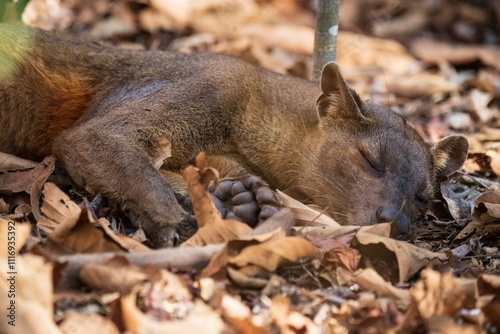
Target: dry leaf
{"points": [[478, 103], [4, 207], [212, 228], [484, 219], [83, 323], [369, 280], [410, 259], [70, 226], [420, 84], [239, 316], [58, 209], [459, 208], [48, 14], [11, 162], [291, 38], [153, 21], [411, 22], [356, 50], [288, 321], [267, 250], [121, 22], [434, 52], [487, 206], [348, 258], [126, 243], [488, 290], [199, 319], [117, 274], [495, 161], [304, 214], [246, 278], [15, 182], [275, 252], [434, 299], [327, 232]]}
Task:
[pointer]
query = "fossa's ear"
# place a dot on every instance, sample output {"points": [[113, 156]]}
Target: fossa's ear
{"points": [[449, 154], [337, 99]]}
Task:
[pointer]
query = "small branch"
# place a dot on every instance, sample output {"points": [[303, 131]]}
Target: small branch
{"points": [[190, 259], [325, 37]]}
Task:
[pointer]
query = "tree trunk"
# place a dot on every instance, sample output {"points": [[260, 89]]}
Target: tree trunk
{"points": [[325, 37]]}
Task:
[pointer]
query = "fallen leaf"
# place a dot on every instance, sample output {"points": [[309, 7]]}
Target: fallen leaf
{"points": [[487, 206], [121, 21], [248, 278], [212, 229], [153, 21], [239, 316], [4, 207], [200, 318], [70, 226], [346, 257], [460, 209], [433, 298], [289, 321], [495, 161], [433, 52], [58, 209], [409, 258], [420, 84], [320, 225], [48, 14], [478, 104], [117, 274], [488, 290], [357, 50], [459, 121], [15, 182], [408, 23], [485, 217], [9, 162], [273, 35], [126, 243], [262, 249], [82, 323], [369, 280], [275, 252], [304, 214]]}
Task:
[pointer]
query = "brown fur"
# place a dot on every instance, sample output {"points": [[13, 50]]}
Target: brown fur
{"points": [[111, 116], [64, 97]]}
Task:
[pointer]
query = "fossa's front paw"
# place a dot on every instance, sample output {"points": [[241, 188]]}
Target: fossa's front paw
{"points": [[162, 230], [249, 200]]}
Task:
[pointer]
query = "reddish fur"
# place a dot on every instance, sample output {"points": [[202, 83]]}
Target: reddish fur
{"points": [[67, 95]]}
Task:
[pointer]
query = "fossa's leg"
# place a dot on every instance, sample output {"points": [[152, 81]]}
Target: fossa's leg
{"points": [[120, 161]]}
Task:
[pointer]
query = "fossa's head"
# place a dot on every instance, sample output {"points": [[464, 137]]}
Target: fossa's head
{"points": [[372, 167]]}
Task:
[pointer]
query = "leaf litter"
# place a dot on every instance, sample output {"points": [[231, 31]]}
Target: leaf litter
{"points": [[299, 271]]}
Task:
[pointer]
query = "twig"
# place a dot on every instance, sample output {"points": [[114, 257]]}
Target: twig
{"points": [[325, 36]]}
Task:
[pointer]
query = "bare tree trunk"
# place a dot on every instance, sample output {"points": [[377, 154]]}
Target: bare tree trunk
{"points": [[325, 37]]}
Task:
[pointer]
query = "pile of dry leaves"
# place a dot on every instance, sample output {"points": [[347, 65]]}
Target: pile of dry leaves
{"points": [[82, 269]]}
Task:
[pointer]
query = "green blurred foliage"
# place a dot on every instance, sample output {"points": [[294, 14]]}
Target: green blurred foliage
{"points": [[11, 10]]}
